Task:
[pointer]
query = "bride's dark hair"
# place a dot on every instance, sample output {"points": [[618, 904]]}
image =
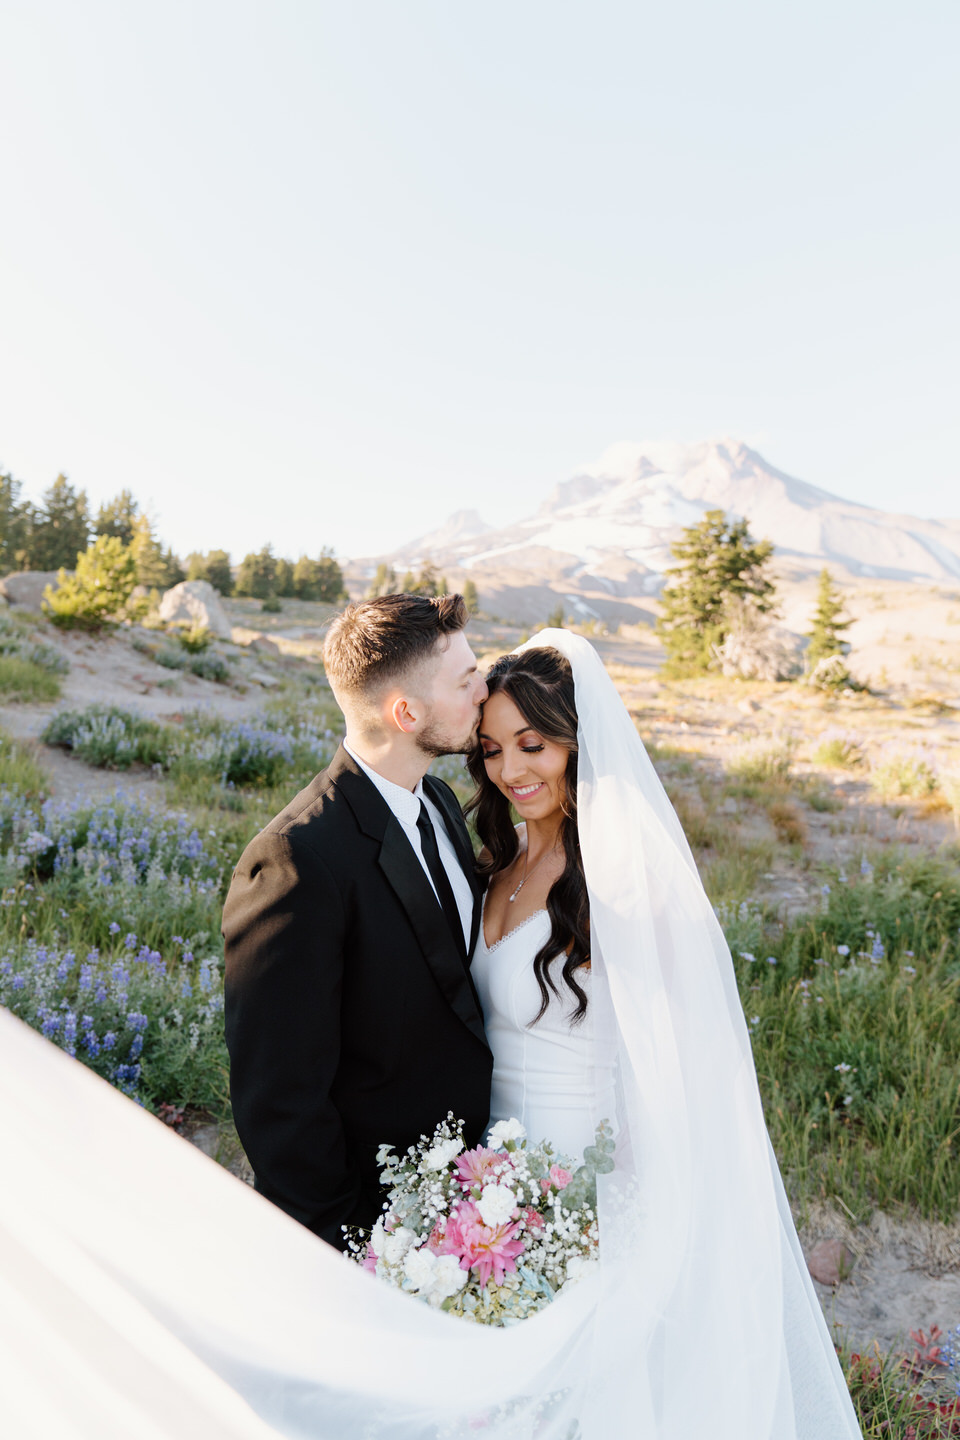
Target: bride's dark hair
{"points": [[540, 684]]}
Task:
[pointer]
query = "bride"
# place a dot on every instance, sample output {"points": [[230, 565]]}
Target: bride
{"points": [[143, 1291]]}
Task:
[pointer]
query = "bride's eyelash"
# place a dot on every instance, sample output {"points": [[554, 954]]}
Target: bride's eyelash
{"points": [[531, 749]]}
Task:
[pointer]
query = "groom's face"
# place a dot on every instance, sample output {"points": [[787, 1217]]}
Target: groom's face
{"points": [[453, 692]]}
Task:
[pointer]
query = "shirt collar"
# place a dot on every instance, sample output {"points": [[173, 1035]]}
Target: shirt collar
{"points": [[405, 804]]}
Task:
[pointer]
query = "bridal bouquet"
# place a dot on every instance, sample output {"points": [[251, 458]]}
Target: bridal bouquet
{"points": [[491, 1234]]}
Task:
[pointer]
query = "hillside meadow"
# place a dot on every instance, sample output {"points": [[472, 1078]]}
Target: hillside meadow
{"points": [[825, 828]]}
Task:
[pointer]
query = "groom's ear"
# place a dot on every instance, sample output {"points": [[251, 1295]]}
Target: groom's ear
{"points": [[401, 715]]}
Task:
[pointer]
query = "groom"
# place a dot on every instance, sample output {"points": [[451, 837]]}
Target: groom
{"points": [[351, 1017]]}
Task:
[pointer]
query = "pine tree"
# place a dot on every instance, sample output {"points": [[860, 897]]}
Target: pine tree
{"points": [[331, 587], [257, 575], [14, 526], [408, 585], [719, 561], [470, 597], [95, 595], [118, 517], [384, 582], [219, 572], [283, 581], [157, 568], [826, 631], [61, 527], [196, 566]]}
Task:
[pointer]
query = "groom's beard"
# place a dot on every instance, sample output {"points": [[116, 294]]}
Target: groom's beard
{"points": [[432, 740]]}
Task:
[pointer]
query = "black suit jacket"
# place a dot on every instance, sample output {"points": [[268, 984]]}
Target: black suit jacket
{"points": [[351, 1017]]}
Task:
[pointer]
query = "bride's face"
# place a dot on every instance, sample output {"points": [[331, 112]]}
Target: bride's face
{"points": [[526, 767]]}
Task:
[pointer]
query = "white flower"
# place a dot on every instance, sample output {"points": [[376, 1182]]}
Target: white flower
{"points": [[579, 1268], [377, 1236], [438, 1157], [437, 1277], [496, 1204], [396, 1245], [505, 1130]]}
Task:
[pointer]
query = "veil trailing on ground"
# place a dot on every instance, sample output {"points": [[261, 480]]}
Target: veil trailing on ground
{"points": [[145, 1291]]}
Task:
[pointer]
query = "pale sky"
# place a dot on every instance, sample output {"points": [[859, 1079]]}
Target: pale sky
{"points": [[322, 273]]}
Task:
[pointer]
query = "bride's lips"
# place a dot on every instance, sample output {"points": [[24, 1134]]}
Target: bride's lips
{"points": [[524, 792]]}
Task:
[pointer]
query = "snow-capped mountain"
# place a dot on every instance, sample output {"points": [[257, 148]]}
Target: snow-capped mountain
{"points": [[607, 531]]}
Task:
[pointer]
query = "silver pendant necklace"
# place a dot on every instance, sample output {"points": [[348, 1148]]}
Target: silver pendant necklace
{"points": [[511, 898]]}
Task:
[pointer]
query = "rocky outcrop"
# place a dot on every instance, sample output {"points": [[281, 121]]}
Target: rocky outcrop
{"points": [[26, 587], [195, 602]]}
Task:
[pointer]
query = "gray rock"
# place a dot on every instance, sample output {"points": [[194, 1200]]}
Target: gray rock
{"points": [[195, 602], [26, 587], [259, 677]]}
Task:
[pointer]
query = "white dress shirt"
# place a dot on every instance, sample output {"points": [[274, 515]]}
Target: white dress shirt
{"points": [[405, 805]]}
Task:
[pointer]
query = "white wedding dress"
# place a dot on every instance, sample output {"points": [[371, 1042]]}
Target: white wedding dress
{"points": [[556, 1077], [144, 1291]]}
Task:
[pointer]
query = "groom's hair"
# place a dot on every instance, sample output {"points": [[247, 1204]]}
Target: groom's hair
{"points": [[378, 641]]}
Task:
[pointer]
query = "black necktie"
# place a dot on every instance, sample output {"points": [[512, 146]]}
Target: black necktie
{"points": [[431, 854]]}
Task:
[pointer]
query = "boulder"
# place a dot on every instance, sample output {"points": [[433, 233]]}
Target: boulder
{"points": [[26, 587], [830, 1262], [195, 602], [255, 640]]}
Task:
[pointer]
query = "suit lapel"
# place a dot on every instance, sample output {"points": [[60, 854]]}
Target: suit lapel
{"points": [[405, 874], [460, 839], [412, 888]]}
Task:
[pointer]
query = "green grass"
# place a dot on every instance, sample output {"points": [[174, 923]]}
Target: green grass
{"points": [[24, 681], [858, 1053], [19, 770]]}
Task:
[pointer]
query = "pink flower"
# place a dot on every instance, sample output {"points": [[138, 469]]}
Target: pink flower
{"points": [[369, 1260], [487, 1249], [532, 1219], [474, 1166], [558, 1178]]}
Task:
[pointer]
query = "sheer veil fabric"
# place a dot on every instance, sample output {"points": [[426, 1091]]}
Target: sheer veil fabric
{"points": [[144, 1291]]}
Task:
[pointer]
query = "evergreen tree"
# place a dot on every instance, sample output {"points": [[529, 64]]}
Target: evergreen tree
{"points": [[257, 575], [408, 585], [719, 562], [196, 566], [95, 595], [283, 578], [61, 527], [555, 618], [428, 582], [14, 526], [826, 631], [157, 568], [470, 597], [331, 586], [118, 517], [218, 571], [384, 582]]}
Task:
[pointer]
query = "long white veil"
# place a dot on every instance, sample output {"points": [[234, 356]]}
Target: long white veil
{"points": [[144, 1291]]}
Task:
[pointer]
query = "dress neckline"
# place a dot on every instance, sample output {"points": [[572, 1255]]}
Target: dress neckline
{"points": [[504, 938]]}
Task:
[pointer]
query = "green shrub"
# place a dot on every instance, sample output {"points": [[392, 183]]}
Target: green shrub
{"points": [[23, 680], [17, 640], [770, 760], [209, 666], [194, 638], [97, 593], [107, 736], [839, 750], [170, 657], [904, 770], [272, 605]]}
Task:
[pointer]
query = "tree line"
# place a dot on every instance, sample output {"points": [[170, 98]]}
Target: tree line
{"points": [[52, 535]]}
